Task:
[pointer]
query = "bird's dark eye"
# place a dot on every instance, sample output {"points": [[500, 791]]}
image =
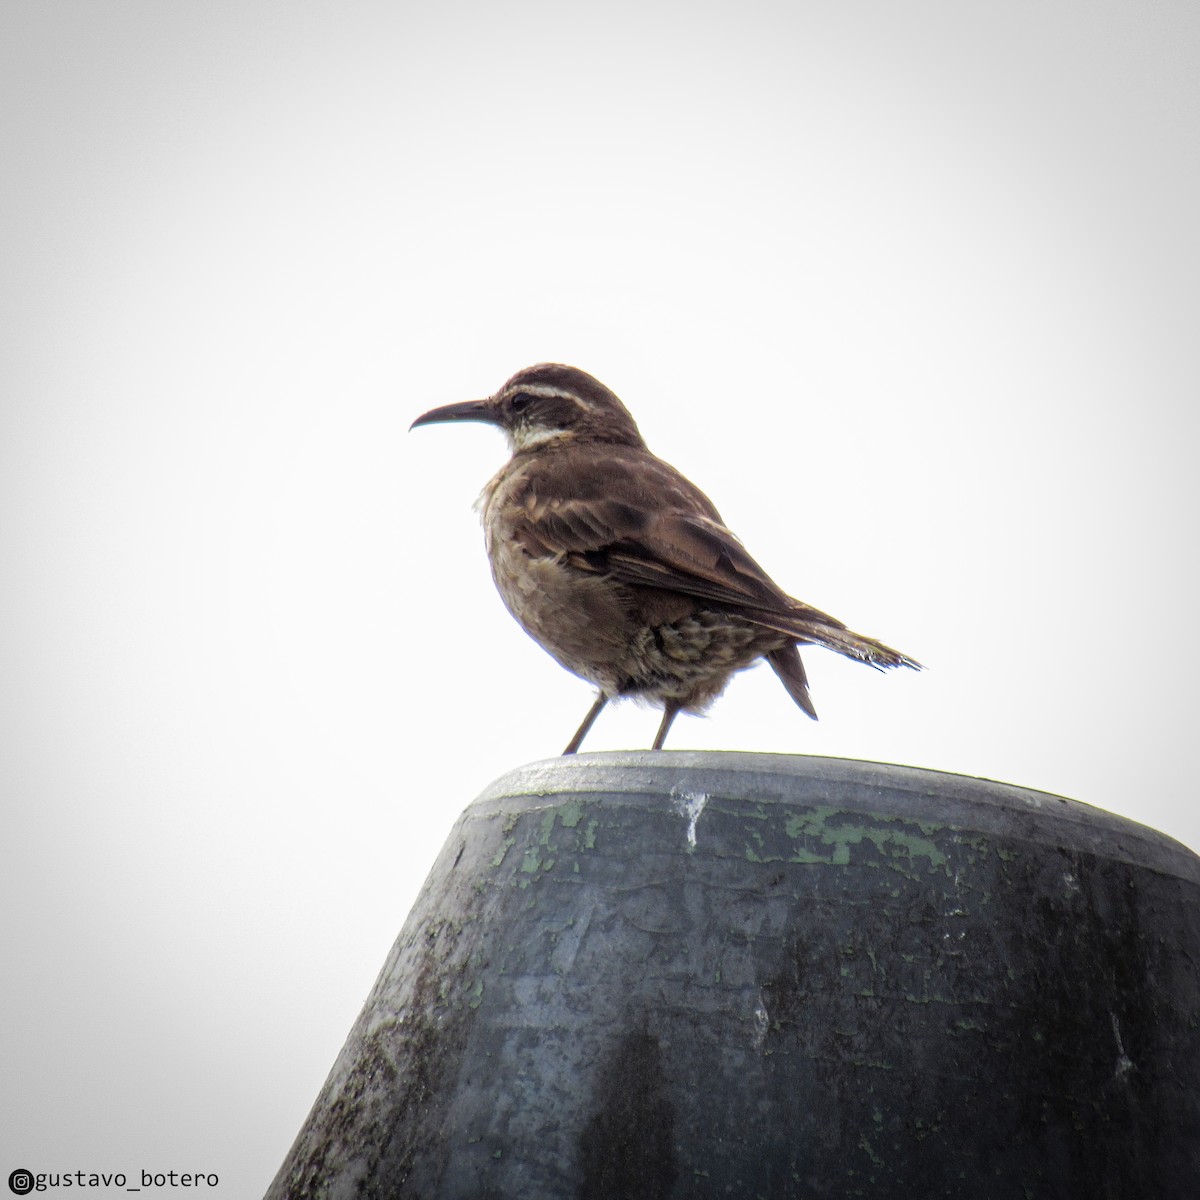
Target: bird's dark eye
{"points": [[521, 401]]}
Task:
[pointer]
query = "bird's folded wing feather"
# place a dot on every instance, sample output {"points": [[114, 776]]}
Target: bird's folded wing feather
{"points": [[677, 551]]}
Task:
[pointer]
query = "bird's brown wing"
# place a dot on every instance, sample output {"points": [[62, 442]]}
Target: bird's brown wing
{"points": [[617, 525], [690, 555], [683, 552]]}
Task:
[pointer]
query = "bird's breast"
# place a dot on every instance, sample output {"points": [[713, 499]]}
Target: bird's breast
{"points": [[581, 618]]}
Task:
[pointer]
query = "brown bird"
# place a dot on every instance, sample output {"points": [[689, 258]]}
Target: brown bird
{"points": [[623, 569]]}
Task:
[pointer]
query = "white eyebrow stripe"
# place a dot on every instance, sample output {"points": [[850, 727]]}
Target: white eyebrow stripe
{"points": [[549, 391]]}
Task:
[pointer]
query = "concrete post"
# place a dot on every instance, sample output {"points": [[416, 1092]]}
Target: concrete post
{"points": [[684, 975]]}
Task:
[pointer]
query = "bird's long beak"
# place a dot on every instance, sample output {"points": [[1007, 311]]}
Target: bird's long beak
{"points": [[469, 410]]}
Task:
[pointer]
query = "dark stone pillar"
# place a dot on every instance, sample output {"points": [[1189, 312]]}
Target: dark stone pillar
{"points": [[738, 975]]}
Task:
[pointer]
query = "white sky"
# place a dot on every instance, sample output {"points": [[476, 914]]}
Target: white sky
{"points": [[910, 290]]}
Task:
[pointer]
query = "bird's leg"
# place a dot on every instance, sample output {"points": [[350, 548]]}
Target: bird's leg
{"points": [[670, 712], [588, 722]]}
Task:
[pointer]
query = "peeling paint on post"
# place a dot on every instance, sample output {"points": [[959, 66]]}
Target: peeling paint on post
{"points": [[684, 976]]}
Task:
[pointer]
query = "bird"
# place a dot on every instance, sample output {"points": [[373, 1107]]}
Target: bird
{"points": [[621, 568]]}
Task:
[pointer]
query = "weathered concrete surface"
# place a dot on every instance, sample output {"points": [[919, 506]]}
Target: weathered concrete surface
{"points": [[710, 975]]}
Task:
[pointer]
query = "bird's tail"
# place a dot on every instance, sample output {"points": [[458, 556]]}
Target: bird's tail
{"points": [[787, 664]]}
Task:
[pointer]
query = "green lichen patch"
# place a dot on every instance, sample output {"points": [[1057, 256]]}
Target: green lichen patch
{"points": [[571, 813], [827, 834]]}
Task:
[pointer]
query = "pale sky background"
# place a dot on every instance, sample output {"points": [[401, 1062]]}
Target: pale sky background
{"points": [[910, 290]]}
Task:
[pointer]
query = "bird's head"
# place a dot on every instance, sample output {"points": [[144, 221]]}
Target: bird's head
{"points": [[547, 404]]}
